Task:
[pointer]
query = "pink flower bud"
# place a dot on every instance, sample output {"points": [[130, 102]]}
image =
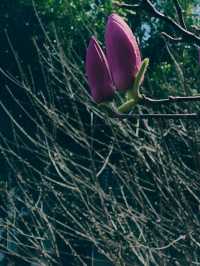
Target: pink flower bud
{"points": [[98, 73], [122, 52]]}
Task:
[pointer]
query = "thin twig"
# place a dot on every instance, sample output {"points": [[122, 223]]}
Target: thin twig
{"points": [[144, 100], [124, 5], [171, 38], [179, 12], [171, 99], [163, 116], [188, 36]]}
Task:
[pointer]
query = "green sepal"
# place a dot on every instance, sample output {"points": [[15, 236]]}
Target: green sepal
{"points": [[133, 94], [128, 105], [134, 91]]}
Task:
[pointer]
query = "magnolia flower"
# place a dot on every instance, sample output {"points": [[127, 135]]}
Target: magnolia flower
{"points": [[98, 73], [122, 52]]}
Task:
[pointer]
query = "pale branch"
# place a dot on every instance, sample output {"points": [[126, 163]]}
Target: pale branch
{"points": [[174, 39], [127, 6], [188, 36], [144, 100], [171, 99], [156, 116], [195, 28], [179, 12]]}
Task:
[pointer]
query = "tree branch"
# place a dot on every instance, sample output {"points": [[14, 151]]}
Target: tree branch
{"points": [[174, 39], [156, 116], [187, 36], [126, 6], [179, 12], [171, 99], [144, 100]]}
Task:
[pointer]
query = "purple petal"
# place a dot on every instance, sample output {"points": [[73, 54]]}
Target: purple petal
{"points": [[122, 52], [98, 73]]}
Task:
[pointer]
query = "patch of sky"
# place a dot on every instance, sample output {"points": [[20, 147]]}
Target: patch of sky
{"points": [[196, 10], [146, 29]]}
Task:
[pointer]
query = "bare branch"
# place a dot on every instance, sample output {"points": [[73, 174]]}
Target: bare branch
{"points": [[171, 99], [147, 5], [179, 12], [127, 6], [187, 36], [157, 116], [164, 34]]}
